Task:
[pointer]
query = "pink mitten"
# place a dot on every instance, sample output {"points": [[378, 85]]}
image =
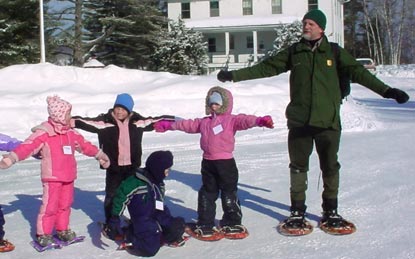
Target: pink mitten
{"points": [[265, 121], [162, 126]]}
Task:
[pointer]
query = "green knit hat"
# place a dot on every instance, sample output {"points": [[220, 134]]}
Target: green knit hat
{"points": [[318, 17]]}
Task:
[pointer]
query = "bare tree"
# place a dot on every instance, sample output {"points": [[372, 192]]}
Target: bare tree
{"points": [[73, 13], [393, 13], [385, 22], [77, 45], [373, 41]]}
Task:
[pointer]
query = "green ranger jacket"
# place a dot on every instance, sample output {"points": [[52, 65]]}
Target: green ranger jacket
{"points": [[314, 86]]}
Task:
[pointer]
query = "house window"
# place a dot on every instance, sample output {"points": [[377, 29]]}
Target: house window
{"points": [[312, 4], [185, 10], [231, 42], [261, 45], [247, 7], [250, 42], [212, 45], [214, 8], [276, 6]]}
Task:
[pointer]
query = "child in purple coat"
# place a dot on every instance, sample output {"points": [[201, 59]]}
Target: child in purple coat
{"points": [[219, 170], [7, 143]]}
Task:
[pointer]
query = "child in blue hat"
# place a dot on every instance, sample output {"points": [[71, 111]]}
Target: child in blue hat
{"points": [[120, 133]]}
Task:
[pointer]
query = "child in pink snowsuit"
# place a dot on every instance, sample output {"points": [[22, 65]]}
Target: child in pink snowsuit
{"points": [[57, 142], [219, 170]]}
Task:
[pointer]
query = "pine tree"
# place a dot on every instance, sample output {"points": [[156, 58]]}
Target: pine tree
{"points": [[19, 32], [286, 35], [135, 26], [180, 50]]}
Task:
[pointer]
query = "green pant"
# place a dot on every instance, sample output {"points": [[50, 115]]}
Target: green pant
{"points": [[300, 146]]}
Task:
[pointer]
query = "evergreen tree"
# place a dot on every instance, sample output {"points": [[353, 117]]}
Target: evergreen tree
{"points": [[19, 32], [286, 35], [180, 50], [354, 29], [135, 25]]}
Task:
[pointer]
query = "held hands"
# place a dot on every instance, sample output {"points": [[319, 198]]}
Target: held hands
{"points": [[103, 159], [399, 95], [3, 164], [224, 76], [265, 121], [6, 162], [162, 126]]}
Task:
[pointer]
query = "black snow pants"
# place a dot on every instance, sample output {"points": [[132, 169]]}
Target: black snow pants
{"points": [[219, 176]]}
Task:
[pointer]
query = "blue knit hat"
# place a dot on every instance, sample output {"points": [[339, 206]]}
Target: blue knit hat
{"points": [[157, 163], [215, 97], [318, 17], [124, 101]]}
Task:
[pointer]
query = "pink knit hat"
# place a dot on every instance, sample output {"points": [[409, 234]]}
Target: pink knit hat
{"points": [[58, 108]]}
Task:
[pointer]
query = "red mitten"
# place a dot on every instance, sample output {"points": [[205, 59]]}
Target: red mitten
{"points": [[162, 126], [265, 121]]}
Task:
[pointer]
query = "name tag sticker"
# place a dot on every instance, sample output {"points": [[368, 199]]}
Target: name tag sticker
{"points": [[159, 205], [67, 150], [217, 129]]}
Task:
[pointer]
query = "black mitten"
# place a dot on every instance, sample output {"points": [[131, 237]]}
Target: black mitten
{"points": [[113, 228], [224, 76], [399, 95]]}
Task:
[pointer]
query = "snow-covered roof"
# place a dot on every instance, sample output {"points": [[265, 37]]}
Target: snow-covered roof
{"points": [[93, 63], [243, 23]]}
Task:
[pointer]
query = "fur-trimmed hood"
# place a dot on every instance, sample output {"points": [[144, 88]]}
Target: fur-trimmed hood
{"points": [[227, 99]]}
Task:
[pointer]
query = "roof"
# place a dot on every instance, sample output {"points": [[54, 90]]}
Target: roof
{"points": [[93, 63]]}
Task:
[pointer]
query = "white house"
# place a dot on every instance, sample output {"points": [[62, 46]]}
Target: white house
{"points": [[238, 32]]}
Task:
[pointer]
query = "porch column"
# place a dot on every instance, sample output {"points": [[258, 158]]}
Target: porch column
{"points": [[255, 36], [227, 43]]}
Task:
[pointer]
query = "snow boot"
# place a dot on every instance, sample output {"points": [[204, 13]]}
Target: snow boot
{"points": [[203, 232], [45, 240], [234, 231], [295, 225], [66, 235], [333, 223]]}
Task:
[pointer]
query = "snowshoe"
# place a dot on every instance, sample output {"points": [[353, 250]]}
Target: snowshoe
{"points": [[204, 233], [295, 225], [45, 242], [125, 245], [334, 224], [6, 246], [179, 243], [234, 232], [76, 239]]}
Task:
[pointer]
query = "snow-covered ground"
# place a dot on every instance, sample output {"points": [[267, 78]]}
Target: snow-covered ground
{"points": [[377, 157]]}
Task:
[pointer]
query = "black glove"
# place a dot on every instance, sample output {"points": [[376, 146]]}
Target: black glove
{"points": [[113, 228], [399, 95], [224, 76]]}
